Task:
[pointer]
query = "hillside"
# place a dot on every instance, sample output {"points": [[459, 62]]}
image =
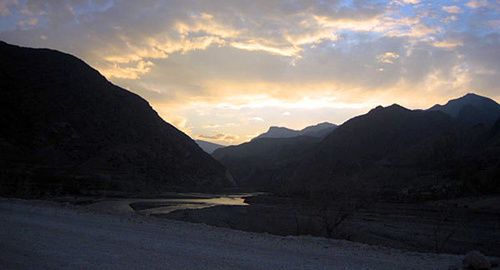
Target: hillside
{"points": [[397, 153], [471, 109], [66, 129], [264, 164]]}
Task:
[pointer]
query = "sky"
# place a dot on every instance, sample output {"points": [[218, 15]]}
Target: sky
{"points": [[225, 71]]}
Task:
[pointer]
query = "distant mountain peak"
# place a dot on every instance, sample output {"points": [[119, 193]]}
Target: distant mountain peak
{"points": [[471, 109], [279, 128], [394, 108], [472, 95], [318, 130]]}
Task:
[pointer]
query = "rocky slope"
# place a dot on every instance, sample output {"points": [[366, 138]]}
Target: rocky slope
{"points": [[66, 129]]}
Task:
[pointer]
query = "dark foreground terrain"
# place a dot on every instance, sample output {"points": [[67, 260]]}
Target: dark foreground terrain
{"points": [[454, 226], [45, 235]]}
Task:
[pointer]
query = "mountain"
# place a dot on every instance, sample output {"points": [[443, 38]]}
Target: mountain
{"points": [[395, 153], [266, 163], [208, 146], [390, 153], [319, 130], [279, 132], [66, 129], [471, 109]]}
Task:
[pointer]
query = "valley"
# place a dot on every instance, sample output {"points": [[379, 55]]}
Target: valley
{"points": [[409, 179]]}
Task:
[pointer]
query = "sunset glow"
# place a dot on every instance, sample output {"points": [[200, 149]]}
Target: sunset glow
{"points": [[224, 71]]}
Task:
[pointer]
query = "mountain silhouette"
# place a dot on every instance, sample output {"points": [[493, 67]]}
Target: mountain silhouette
{"points": [[319, 130], [208, 146], [267, 161], [66, 129], [264, 164], [393, 149], [471, 109]]}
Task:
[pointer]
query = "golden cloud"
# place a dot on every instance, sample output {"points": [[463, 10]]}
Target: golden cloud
{"points": [[333, 24], [254, 46], [220, 137], [117, 71], [388, 57], [447, 44]]}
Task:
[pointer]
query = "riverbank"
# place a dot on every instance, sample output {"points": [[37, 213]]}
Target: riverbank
{"points": [[48, 235], [455, 227]]}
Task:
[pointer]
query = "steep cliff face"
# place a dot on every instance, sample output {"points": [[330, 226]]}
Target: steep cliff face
{"points": [[65, 128]]}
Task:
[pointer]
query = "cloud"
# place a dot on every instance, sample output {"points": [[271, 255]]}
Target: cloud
{"points": [[474, 4], [178, 28], [126, 72], [205, 64], [449, 19], [256, 119], [453, 9], [220, 126], [5, 5], [411, 1], [253, 46], [448, 44], [404, 2], [388, 57], [220, 137], [29, 22]]}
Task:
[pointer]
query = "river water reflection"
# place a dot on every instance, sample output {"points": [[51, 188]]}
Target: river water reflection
{"points": [[186, 201]]}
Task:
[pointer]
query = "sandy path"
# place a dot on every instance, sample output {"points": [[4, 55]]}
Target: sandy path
{"points": [[42, 235]]}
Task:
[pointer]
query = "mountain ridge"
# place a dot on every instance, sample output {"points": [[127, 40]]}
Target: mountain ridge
{"points": [[318, 130], [69, 130], [373, 153], [471, 109]]}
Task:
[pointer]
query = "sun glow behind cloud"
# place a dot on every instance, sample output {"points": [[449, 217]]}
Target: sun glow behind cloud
{"points": [[226, 71]]}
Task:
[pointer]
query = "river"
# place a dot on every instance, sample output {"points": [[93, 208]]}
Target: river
{"points": [[171, 202]]}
